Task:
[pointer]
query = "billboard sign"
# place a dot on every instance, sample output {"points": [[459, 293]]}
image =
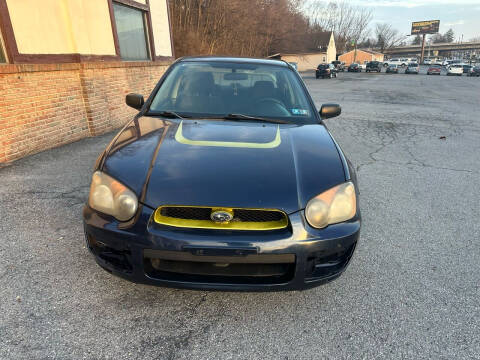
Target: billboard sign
{"points": [[425, 27]]}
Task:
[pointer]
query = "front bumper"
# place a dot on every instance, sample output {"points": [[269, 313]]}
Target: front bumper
{"points": [[298, 257]]}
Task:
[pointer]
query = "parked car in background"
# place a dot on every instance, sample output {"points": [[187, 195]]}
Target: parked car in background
{"points": [[389, 62], [339, 65], [434, 70], [363, 66], [466, 68], [396, 61], [354, 68], [392, 69], [326, 71], [374, 66], [427, 61], [412, 68], [474, 71], [455, 69]]}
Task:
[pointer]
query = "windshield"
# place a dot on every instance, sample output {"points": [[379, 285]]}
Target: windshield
{"points": [[216, 89]]}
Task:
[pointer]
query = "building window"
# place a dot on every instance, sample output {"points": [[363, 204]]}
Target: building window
{"points": [[132, 32], [3, 58]]}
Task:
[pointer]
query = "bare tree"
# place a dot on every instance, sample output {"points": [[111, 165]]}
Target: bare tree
{"points": [[238, 27], [349, 23], [387, 36]]}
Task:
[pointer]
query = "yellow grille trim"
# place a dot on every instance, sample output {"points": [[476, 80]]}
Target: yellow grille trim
{"points": [[208, 224], [269, 145]]}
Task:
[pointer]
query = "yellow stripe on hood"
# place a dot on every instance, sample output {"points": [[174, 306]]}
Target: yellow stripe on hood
{"points": [[269, 145]]}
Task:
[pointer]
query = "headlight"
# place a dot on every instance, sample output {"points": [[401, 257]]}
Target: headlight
{"points": [[109, 196], [335, 205]]}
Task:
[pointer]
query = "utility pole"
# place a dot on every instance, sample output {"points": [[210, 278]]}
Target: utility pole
{"points": [[355, 52], [423, 49]]}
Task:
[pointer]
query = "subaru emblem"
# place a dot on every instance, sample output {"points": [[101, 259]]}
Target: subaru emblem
{"points": [[221, 217]]}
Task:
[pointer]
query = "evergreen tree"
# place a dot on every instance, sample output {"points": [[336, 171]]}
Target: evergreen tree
{"points": [[417, 40], [449, 36]]}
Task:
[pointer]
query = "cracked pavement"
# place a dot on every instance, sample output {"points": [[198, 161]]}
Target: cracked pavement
{"points": [[411, 291]]}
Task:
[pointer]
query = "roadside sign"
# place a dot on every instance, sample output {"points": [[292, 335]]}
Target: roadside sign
{"points": [[425, 27]]}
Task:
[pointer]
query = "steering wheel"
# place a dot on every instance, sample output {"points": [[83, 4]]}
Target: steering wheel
{"points": [[280, 106]]}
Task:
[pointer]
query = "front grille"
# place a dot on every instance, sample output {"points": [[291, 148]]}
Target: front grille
{"points": [[186, 212], [200, 217]]}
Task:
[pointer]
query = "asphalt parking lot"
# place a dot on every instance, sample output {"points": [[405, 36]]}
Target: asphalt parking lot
{"points": [[411, 292]]}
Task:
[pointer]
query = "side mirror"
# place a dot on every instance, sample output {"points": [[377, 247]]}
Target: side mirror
{"points": [[134, 100], [328, 111]]}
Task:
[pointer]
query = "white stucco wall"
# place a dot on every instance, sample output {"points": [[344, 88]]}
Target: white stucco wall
{"points": [[160, 27]]}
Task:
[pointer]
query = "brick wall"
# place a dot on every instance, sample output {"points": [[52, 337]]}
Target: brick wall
{"points": [[46, 105], [362, 56]]}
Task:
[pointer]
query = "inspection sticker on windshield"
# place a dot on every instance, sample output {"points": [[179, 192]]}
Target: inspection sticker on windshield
{"points": [[300, 112]]}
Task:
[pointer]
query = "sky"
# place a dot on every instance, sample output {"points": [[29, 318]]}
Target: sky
{"points": [[463, 16]]}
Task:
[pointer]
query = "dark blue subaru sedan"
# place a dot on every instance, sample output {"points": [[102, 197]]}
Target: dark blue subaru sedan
{"points": [[227, 178]]}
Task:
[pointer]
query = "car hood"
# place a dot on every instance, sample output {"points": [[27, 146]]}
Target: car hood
{"points": [[224, 163]]}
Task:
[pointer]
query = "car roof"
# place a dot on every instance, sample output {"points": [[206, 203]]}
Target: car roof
{"points": [[243, 60]]}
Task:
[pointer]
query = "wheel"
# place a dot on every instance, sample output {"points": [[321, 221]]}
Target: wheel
{"points": [[316, 76]]}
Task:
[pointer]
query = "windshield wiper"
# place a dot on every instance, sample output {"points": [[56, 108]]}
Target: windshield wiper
{"points": [[168, 114], [242, 117]]}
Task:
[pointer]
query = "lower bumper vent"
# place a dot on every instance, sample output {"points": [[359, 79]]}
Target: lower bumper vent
{"points": [[251, 269]]}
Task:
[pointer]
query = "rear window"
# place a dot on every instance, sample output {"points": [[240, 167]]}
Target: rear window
{"points": [[322, 67]]}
